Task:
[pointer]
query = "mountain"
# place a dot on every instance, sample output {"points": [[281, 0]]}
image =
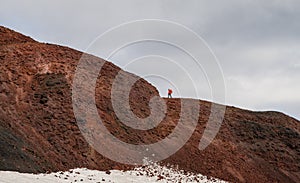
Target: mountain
{"points": [[39, 132]]}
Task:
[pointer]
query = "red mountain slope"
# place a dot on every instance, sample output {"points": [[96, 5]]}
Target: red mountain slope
{"points": [[39, 133]]}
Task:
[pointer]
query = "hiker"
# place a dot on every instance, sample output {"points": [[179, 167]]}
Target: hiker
{"points": [[170, 93]]}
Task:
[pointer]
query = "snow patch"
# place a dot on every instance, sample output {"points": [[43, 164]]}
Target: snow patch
{"points": [[149, 173]]}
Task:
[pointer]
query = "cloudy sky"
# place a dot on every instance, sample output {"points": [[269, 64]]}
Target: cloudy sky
{"points": [[256, 43]]}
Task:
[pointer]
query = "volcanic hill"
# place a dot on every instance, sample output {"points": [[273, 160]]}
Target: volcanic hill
{"points": [[39, 133]]}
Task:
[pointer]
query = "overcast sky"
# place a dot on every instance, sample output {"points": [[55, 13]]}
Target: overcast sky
{"points": [[257, 42]]}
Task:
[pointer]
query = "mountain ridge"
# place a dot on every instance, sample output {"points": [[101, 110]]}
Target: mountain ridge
{"points": [[39, 132]]}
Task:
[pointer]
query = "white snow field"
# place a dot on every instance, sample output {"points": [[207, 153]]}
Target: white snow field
{"points": [[147, 174]]}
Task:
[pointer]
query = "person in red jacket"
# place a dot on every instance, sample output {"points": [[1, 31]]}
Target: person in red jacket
{"points": [[170, 93]]}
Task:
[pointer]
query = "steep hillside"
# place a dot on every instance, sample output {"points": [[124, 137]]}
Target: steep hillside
{"points": [[39, 133]]}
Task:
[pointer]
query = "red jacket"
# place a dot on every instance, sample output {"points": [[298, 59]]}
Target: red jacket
{"points": [[170, 91]]}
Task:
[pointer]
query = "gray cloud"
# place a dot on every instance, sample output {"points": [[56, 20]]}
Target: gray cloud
{"points": [[256, 41]]}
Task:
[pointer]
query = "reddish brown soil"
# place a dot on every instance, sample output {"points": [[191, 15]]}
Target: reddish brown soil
{"points": [[39, 133]]}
